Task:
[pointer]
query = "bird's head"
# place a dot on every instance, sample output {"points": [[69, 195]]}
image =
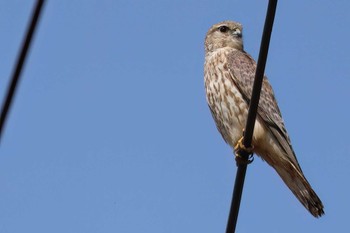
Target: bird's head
{"points": [[224, 34]]}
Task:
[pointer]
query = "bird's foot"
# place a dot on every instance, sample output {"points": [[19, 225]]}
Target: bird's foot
{"points": [[244, 155], [240, 147]]}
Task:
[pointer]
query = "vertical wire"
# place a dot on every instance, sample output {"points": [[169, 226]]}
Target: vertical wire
{"points": [[19, 65], [253, 107]]}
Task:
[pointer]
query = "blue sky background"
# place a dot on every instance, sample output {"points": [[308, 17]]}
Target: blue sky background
{"points": [[110, 131]]}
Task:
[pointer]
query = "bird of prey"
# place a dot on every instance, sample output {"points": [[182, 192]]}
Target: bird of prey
{"points": [[229, 75]]}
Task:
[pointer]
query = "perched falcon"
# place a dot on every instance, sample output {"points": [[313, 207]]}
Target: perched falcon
{"points": [[229, 75]]}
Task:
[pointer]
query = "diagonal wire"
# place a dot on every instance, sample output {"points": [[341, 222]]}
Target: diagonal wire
{"points": [[19, 65], [253, 107]]}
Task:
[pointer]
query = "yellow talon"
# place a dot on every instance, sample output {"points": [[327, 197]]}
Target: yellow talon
{"points": [[239, 149]]}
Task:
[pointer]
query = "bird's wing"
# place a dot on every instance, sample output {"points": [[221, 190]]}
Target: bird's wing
{"points": [[242, 68]]}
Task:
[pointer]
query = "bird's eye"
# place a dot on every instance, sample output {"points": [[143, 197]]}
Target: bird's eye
{"points": [[223, 29]]}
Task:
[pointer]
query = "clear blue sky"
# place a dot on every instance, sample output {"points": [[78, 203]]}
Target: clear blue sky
{"points": [[110, 131]]}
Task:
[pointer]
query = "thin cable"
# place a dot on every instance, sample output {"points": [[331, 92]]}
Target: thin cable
{"points": [[19, 65], [253, 107]]}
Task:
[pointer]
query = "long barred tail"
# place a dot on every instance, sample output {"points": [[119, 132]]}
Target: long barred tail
{"points": [[301, 188]]}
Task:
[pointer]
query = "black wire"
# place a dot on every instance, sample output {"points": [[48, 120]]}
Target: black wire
{"points": [[260, 69], [19, 65], [253, 107]]}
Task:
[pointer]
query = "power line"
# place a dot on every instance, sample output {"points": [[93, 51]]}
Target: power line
{"points": [[253, 107], [19, 65]]}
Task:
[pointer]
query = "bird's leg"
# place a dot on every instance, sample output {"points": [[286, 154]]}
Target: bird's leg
{"points": [[240, 149]]}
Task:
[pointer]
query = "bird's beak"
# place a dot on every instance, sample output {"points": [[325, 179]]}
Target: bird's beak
{"points": [[237, 33]]}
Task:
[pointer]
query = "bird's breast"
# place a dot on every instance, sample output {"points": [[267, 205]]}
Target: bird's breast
{"points": [[228, 107]]}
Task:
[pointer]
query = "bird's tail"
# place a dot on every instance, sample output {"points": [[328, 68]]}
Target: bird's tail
{"points": [[297, 183]]}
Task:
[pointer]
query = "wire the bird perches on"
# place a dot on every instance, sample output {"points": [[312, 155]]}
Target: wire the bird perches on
{"points": [[253, 107], [19, 65]]}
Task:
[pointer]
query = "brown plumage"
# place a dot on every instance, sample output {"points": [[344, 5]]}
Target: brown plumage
{"points": [[229, 75]]}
